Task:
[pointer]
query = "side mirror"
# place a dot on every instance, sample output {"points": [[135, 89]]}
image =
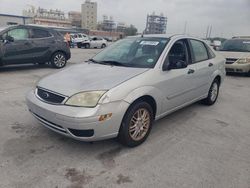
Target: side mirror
{"points": [[9, 39], [179, 64]]}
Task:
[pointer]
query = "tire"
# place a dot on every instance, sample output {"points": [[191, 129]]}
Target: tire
{"points": [[87, 46], [132, 135], [79, 45], [58, 60], [213, 93], [103, 46]]}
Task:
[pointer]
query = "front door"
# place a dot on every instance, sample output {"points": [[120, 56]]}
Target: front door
{"points": [[177, 84], [18, 50]]}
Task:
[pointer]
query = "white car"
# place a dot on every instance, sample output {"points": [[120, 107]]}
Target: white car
{"points": [[237, 54], [95, 42], [122, 90], [78, 39]]}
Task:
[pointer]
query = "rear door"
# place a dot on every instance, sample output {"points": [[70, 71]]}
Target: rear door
{"points": [[42, 41], [204, 66], [18, 51]]}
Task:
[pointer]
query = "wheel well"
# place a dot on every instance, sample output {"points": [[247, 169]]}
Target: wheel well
{"points": [[150, 100], [218, 78]]}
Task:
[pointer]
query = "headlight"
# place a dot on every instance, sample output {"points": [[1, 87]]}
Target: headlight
{"points": [[85, 99], [243, 60]]}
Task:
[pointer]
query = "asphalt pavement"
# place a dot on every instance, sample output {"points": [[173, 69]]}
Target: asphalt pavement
{"points": [[196, 147]]}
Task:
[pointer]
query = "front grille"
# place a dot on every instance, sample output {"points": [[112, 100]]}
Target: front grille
{"points": [[230, 60], [49, 96]]}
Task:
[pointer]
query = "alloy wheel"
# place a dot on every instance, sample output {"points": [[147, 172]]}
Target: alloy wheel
{"points": [[59, 60], [139, 124]]}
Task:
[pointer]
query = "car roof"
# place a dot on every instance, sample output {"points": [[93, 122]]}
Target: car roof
{"points": [[173, 37]]}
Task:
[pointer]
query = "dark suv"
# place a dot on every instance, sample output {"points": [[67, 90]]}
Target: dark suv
{"points": [[31, 44]]}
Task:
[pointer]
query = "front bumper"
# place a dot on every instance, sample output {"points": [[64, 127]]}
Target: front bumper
{"points": [[78, 122], [239, 68]]}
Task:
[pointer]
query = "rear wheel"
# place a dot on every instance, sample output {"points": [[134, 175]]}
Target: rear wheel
{"points": [[213, 93], [103, 45], [58, 60], [136, 124]]}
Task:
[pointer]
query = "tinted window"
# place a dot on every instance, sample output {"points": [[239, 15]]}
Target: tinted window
{"points": [[237, 45], [199, 50], [39, 33], [19, 34]]}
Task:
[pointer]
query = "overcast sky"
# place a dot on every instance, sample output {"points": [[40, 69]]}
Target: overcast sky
{"points": [[228, 17]]}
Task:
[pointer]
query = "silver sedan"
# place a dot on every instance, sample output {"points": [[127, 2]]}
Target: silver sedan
{"points": [[122, 90]]}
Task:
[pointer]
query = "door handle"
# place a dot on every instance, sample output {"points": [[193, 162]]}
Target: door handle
{"points": [[191, 71], [210, 64]]}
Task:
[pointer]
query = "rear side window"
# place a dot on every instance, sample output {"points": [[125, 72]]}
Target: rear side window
{"points": [[199, 50], [40, 33]]}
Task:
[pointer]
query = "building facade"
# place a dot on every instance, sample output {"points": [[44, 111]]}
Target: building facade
{"points": [[48, 17], [107, 24], [75, 18], [7, 20], [89, 15], [156, 24]]}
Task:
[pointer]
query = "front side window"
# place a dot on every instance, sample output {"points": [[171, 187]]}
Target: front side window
{"points": [[199, 50], [133, 52], [39, 33], [178, 53], [19, 34]]}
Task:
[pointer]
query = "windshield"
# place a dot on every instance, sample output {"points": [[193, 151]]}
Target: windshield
{"points": [[236, 45], [133, 52]]}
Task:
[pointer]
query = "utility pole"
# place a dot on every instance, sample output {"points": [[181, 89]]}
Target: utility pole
{"points": [[185, 28], [207, 32], [211, 27]]}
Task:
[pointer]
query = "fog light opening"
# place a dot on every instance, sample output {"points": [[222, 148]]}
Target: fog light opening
{"points": [[105, 117]]}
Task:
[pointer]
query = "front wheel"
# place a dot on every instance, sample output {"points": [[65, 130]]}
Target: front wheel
{"points": [[213, 93], [58, 60], [136, 124], [103, 46]]}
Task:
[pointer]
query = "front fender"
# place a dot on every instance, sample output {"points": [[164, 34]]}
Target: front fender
{"points": [[147, 91]]}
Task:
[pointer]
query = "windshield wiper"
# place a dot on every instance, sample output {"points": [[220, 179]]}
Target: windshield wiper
{"points": [[115, 63], [93, 61]]}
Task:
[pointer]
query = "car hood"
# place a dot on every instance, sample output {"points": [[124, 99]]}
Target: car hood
{"points": [[88, 77], [235, 55]]}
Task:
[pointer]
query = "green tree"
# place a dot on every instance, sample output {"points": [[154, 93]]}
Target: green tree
{"points": [[130, 31]]}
